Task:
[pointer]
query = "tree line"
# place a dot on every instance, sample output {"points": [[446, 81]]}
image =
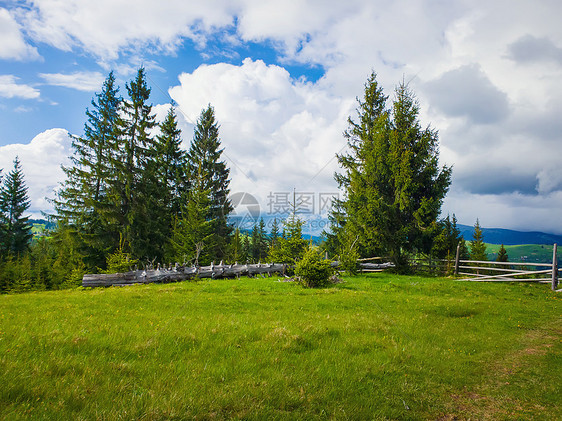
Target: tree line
{"points": [[133, 190], [133, 195]]}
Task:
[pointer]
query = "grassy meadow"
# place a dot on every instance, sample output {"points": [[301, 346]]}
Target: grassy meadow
{"points": [[379, 346]]}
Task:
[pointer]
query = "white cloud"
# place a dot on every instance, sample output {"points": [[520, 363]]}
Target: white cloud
{"points": [[278, 133], [82, 81], [12, 43], [9, 88], [107, 27], [41, 160]]}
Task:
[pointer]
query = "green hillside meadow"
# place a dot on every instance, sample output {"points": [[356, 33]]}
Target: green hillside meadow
{"points": [[374, 347], [534, 253]]}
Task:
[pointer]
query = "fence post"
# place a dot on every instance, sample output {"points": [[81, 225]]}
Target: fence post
{"points": [[457, 259], [554, 268]]}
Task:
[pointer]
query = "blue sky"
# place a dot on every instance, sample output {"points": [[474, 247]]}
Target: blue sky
{"points": [[283, 78]]}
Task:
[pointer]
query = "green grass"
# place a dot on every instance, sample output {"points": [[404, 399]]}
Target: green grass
{"points": [[375, 347]]}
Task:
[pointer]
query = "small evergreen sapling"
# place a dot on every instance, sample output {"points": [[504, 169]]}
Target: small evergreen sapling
{"points": [[313, 270]]}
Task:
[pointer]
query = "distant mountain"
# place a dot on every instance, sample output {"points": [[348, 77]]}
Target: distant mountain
{"points": [[511, 237], [315, 225], [312, 229]]}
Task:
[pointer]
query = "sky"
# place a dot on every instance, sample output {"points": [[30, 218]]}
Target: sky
{"points": [[283, 77]]}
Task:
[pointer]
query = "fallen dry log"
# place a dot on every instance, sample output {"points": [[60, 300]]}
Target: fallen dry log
{"points": [[183, 273], [180, 273]]}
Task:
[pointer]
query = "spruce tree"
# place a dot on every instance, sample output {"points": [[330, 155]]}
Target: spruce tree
{"points": [[165, 180], [477, 246], [236, 246], [502, 255], [274, 235], [2, 224], [259, 247], [171, 163], [83, 202], [393, 185], [246, 249], [255, 244], [204, 156], [14, 202], [290, 246], [446, 241], [133, 185]]}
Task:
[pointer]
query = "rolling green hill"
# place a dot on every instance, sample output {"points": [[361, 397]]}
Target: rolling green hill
{"points": [[534, 253]]}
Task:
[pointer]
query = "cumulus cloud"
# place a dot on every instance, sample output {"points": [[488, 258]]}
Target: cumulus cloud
{"points": [[12, 43], [468, 92], [278, 133], [10, 88], [41, 161], [100, 27], [82, 81]]}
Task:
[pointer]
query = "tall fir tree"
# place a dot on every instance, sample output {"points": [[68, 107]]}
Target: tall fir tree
{"points": [[393, 185], [14, 202], [166, 180], [204, 156], [171, 163], [83, 202], [133, 184]]}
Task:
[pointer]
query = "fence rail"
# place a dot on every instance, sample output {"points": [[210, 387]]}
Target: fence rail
{"points": [[491, 271], [509, 271]]}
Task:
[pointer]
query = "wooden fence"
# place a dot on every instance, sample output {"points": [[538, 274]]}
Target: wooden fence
{"points": [[491, 271]]}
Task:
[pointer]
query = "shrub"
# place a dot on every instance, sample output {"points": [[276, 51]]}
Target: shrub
{"points": [[313, 270]]}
